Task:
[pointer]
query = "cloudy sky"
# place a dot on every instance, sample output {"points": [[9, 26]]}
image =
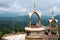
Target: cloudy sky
{"points": [[23, 7]]}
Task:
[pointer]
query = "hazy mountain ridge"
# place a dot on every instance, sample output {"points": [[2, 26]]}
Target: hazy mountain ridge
{"points": [[58, 17], [22, 21]]}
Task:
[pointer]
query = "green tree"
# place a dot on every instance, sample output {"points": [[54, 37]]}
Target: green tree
{"points": [[0, 35], [5, 31]]}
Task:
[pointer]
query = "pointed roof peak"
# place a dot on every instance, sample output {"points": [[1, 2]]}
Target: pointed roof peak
{"points": [[52, 13], [34, 6]]}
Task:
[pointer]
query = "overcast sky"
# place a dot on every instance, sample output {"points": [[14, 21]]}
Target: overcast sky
{"points": [[23, 7]]}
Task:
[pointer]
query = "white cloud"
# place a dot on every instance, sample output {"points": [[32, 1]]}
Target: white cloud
{"points": [[56, 9], [27, 5], [3, 9], [14, 7], [3, 0]]}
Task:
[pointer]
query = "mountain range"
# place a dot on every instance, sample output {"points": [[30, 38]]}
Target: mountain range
{"points": [[23, 21]]}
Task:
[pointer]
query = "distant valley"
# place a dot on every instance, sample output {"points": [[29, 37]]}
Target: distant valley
{"points": [[22, 21]]}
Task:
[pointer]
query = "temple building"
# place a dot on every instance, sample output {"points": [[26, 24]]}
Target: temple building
{"points": [[38, 31]]}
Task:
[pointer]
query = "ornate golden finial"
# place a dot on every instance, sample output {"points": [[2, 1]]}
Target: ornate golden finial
{"points": [[34, 6], [52, 14]]}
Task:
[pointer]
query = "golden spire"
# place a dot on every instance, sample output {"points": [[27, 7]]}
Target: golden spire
{"points": [[34, 6], [52, 14]]}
